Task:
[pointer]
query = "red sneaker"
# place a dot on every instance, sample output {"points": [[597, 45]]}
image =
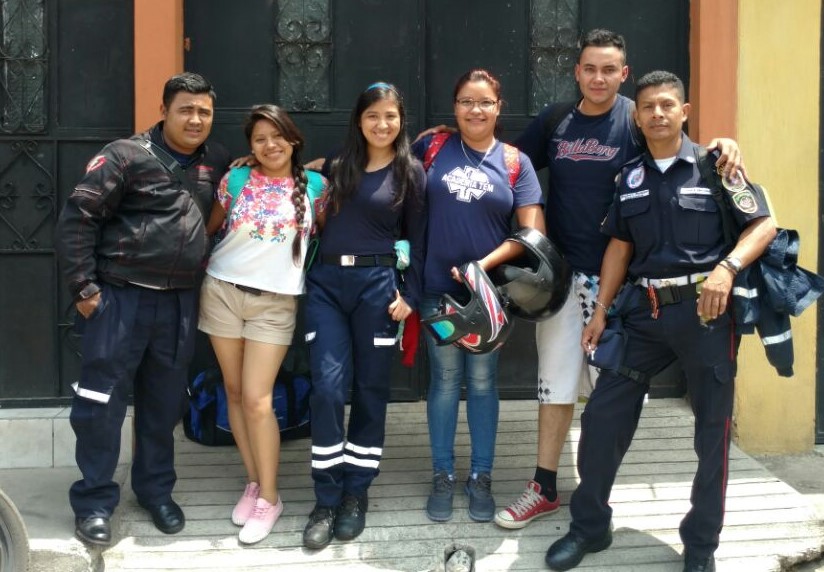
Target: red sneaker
{"points": [[531, 505]]}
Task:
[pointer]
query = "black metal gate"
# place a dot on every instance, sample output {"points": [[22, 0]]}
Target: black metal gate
{"points": [[315, 56], [66, 71]]}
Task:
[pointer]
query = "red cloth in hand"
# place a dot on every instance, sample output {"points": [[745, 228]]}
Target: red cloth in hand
{"points": [[410, 338]]}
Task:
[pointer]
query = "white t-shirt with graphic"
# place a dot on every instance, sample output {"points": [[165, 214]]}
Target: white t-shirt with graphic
{"points": [[256, 249]]}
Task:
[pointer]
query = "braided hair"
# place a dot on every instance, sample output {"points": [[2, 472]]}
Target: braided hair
{"points": [[287, 128]]}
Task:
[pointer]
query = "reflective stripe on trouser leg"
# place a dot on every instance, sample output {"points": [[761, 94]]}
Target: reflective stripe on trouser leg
{"points": [[327, 334], [373, 335]]}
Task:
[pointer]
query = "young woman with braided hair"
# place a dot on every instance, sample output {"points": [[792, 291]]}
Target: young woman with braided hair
{"points": [[248, 300], [354, 302]]}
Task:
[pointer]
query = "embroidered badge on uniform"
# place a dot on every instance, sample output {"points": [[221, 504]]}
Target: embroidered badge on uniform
{"points": [[745, 202], [95, 163], [635, 177], [734, 184]]}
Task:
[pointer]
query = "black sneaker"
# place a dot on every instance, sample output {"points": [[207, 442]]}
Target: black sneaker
{"points": [[318, 531], [439, 504], [351, 517], [481, 503]]}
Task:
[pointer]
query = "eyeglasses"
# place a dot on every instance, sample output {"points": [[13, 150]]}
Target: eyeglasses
{"points": [[469, 103]]}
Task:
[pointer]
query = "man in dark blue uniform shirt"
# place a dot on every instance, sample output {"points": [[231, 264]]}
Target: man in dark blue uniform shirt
{"points": [[667, 235]]}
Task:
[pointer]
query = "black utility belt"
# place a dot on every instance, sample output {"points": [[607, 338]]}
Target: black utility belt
{"points": [[248, 289], [359, 259], [673, 294]]}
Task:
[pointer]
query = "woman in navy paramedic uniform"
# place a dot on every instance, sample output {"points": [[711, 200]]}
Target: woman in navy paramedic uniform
{"points": [[355, 300]]}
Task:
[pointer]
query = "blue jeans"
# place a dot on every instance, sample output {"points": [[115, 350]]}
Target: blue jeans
{"points": [[448, 367]]}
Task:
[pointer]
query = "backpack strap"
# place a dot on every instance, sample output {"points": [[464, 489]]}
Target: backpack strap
{"points": [[435, 145], [237, 178], [710, 176], [314, 188], [512, 158], [554, 118]]}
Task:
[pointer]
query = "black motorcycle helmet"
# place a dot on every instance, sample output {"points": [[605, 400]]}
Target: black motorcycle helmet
{"points": [[480, 324], [537, 284]]}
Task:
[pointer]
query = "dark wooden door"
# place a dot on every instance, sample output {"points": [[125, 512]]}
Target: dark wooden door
{"points": [[62, 99], [315, 56]]}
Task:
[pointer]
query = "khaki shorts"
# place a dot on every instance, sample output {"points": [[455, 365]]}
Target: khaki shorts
{"points": [[227, 312], [563, 371]]}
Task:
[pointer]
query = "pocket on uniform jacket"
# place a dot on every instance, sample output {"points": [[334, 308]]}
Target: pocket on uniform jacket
{"points": [[724, 372], [698, 222], [630, 207]]}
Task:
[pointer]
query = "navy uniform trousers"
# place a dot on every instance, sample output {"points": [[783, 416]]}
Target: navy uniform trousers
{"points": [[351, 341], [707, 355], [138, 340]]}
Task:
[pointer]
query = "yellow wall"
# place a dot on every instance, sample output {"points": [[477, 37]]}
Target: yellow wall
{"points": [[778, 118]]}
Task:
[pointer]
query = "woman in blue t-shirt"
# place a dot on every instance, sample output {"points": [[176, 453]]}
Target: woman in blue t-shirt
{"points": [[355, 301], [470, 207]]}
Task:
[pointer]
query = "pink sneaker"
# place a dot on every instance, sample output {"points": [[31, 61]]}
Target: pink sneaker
{"points": [[246, 505], [261, 522], [531, 505]]}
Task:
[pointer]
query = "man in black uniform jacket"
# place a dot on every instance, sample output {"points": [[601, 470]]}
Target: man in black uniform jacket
{"points": [[132, 241], [667, 234]]}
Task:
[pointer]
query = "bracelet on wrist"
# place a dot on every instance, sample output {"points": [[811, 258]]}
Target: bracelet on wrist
{"points": [[729, 267], [601, 305]]}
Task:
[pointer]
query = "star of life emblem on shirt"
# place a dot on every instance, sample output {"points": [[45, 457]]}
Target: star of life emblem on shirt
{"points": [[467, 183]]}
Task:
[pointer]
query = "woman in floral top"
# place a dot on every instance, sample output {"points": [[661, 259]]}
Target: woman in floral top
{"points": [[248, 301]]}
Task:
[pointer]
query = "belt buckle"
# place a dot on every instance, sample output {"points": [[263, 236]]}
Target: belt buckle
{"points": [[347, 260]]}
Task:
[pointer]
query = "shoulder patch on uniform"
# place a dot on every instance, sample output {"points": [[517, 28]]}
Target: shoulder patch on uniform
{"points": [[744, 201], [734, 184], [95, 163], [635, 177]]}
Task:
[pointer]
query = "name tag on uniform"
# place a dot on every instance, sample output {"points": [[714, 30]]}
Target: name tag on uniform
{"points": [[695, 191], [635, 195]]}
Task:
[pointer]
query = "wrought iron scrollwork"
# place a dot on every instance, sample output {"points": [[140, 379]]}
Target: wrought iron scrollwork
{"points": [[23, 66], [555, 28], [303, 45], [27, 200]]}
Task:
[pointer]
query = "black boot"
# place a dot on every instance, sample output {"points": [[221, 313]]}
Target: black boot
{"points": [[318, 531], [351, 517]]}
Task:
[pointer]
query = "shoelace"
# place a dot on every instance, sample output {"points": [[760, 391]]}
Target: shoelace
{"points": [[261, 511], [251, 491], [482, 485], [442, 483], [320, 514], [350, 504], [529, 499]]}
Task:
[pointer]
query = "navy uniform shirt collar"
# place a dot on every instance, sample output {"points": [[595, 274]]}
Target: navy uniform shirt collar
{"points": [[685, 153]]}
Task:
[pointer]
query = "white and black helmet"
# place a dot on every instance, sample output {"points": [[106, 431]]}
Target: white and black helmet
{"points": [[535, 285], [480, 324]]}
